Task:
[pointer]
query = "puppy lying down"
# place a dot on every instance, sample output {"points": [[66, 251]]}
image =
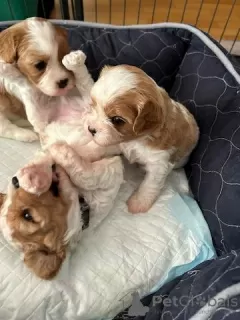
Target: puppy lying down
{"points": [[47, 222]]}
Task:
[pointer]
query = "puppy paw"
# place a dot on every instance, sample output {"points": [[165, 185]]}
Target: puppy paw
{"points": [[74, 59], [61, 153], [139, 203], [35, 178], [26, 135]]}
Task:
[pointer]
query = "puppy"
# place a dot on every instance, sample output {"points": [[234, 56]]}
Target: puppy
{"points": [[37, 48], [61, 118], [132, 111], [46, 223]]}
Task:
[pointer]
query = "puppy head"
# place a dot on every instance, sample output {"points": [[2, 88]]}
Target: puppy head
{"points": [[38, 47], [127, 104], [37, 225]]}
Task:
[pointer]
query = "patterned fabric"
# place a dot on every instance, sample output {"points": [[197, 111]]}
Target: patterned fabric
{"points": [[212, 289], [213, 96], [192, 74]]}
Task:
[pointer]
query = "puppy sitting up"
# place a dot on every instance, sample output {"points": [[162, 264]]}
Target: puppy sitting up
{"points": [[132, 111]]}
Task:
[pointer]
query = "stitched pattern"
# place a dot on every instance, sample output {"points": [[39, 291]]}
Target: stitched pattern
{"points": [[209, 92], [154, 51], [212, 95]]}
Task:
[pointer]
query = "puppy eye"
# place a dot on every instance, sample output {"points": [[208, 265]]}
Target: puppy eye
{"points": [[41, 65], [117, 120], [27, 215]]}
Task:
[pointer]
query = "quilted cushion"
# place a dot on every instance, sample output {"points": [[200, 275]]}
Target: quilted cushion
{"points": [[136, 252], [153, 50], [181, 62], [210, 92], [209, 291]]}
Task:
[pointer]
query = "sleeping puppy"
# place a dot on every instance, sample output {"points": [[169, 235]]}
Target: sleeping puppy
{"points": [[132, 111], [46, 223], [37, 47]]}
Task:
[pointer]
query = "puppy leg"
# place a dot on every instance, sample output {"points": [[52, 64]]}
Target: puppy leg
{"points": [[84, 174], [35, 103], [149, 190], [12, 131], [98, 182], [36, 177], [75, 61]]}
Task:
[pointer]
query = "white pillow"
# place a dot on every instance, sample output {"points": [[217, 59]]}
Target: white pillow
{"points": [[125, 254]]}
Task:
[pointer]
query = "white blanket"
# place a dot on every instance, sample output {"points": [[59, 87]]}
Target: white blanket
{"points": [[125, 254]]}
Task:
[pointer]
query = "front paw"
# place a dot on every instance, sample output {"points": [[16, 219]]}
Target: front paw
{"points": [[139, 203], [26, 135], [74, 59], [61, 153], [35, 178]]}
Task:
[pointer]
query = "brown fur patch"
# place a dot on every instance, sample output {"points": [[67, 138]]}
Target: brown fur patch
{"points": [[2, 198], [10, 105], [149, 111], [42, 238], [14, 47]]}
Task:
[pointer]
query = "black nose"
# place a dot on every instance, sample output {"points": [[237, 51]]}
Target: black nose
{"points": [[63, 83], [15, 182], [92, 131]]}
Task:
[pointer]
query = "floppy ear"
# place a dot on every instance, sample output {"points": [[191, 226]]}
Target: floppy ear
{"points": [[2, 198], [149, 116], [45, 259], [9, 43], [62, 34], [43, 262]]}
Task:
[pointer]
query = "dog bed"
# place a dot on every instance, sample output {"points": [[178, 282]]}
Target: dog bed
{"points": [[196, 72], [123, 255]]}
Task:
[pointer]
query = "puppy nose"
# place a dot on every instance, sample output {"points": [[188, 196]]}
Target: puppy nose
{"points": [[63, 83], [92, 131], [15, 182]]}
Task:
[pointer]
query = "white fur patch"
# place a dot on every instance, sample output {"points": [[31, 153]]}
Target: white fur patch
{"points": [[42, 36], [112, 83], [7, 232]]}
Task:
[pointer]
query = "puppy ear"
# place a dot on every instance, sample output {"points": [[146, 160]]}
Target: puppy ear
{"points": [[62, 38], [149, 116], [43, 262], [2, 198], [45, 259], [61, 32], [9, 43]]}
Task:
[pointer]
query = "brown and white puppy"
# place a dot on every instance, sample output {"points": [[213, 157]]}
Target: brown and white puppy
{"points": [[46, 222], [132, 111], [37, 224], [37, 47]]}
